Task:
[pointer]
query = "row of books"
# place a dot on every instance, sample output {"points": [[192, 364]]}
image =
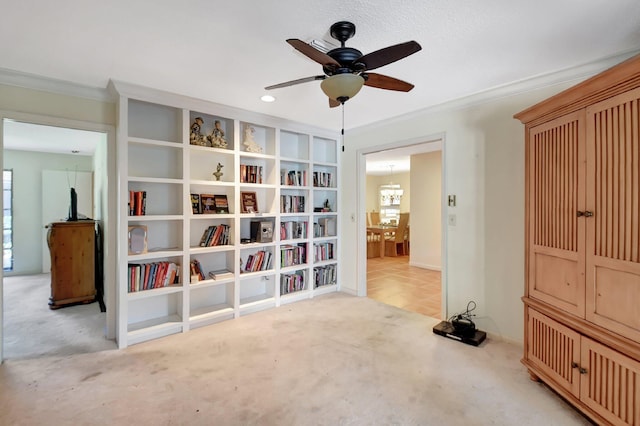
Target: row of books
{"points": [[147, 276], [293, 177], [292, 204], [325, 227], [250, 173], [215, 235], [290, 283], [259, 261], [323, 180], [137, 203], [323, 251], [209, 203], [293, 255], [293, 230], [325, 275]]}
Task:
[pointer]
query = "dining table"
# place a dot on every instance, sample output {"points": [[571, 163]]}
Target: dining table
{"points": [[381, 230]]}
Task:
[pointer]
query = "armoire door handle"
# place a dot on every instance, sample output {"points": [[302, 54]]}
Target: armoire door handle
{"points": [[585, 213]]}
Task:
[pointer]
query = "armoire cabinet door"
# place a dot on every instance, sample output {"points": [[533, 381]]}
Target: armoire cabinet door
{"points": [[613, 232], [556, 195], [554, 349], [610, 385]]}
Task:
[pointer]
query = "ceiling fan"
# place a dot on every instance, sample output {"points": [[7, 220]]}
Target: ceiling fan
{"points": [[346, 69]]}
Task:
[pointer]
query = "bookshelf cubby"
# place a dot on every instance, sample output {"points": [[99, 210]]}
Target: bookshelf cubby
{"points": [[274, 159]]}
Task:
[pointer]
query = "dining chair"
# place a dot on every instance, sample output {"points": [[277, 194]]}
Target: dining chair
{"points": [[374, 218], [397, 239], [405, 249]]}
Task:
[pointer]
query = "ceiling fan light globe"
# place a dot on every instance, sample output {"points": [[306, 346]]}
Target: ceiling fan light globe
{"points": [[341, 86]]}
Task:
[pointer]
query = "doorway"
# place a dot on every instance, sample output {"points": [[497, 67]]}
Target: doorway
{"points": [[413, 280], [37, 149]]}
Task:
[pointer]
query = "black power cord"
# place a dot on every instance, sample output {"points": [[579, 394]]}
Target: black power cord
{"points": [[462, 322]]}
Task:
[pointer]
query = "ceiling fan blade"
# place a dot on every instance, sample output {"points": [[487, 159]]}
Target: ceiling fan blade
{"points": [[312, 53], [333, 103], [385, 82], [389, 54], [298, 81]]}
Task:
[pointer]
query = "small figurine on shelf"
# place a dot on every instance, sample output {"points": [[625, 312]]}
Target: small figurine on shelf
{"points": [[249, 143], [218, 173], [216, 138], [326, 207], [196, 137]]}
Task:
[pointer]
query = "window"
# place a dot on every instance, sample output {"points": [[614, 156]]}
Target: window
{"points": [[7, 220]]}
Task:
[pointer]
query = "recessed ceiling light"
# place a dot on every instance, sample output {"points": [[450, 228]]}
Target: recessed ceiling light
{"points": [[267, 98]]}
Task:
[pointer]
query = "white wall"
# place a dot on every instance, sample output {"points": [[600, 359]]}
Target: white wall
{"points": [[426, 221], [484, 158], [27, 202]]}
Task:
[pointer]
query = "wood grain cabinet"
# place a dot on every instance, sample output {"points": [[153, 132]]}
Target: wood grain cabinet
{"points": [[582, 326], [72, 249]]}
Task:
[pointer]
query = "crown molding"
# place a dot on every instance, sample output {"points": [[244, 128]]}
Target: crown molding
{"points": [[35, 82], [574, 74]]}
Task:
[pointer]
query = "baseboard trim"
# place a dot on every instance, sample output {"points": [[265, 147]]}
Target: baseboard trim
{"points": [[425, 266]]}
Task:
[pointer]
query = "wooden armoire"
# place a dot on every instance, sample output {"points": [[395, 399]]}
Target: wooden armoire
{"points": [[72, 249], [582, 292]]}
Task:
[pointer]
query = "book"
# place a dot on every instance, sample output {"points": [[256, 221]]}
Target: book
{"points": [[207, 204], [131, 203], [221, 204], [205, 236], [195, 204], [248, 202], [215, 236], [221, 274]]}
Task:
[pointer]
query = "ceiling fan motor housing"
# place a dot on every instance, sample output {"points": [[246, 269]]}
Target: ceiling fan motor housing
{"points": [[346, 57]]}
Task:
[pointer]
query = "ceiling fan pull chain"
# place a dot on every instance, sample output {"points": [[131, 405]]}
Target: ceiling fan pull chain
{"points": [[342, 127]]}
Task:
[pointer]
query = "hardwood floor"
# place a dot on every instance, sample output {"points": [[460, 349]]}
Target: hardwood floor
{"points": [[391, 280]]}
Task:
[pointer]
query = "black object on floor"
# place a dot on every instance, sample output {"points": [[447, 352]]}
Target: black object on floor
{"points": [[446, 329]]}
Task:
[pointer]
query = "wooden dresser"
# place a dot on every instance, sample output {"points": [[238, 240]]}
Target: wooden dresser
{"points": [[72, 249], [582, 292]]}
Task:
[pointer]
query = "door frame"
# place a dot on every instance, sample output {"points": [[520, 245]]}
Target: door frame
{"points": [[361, 205], [110, 221]]}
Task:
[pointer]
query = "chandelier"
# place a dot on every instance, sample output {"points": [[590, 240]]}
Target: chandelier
{"points": [[391, 194]]}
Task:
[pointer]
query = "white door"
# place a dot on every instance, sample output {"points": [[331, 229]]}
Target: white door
{"points": [[56, 190]]}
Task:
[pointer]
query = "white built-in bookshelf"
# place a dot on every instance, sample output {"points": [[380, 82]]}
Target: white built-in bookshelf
{"points": [[293, 176]]}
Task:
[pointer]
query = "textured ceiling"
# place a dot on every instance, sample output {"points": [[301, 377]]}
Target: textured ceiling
{"points": [[227, 52]]}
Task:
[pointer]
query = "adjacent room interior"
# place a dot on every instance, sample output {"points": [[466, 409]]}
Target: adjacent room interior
{"points": [[396, 275], [44, 162]]}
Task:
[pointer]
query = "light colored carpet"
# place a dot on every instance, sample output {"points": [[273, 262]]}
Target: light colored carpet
{"points": [[333, 360], [33, 330]]}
